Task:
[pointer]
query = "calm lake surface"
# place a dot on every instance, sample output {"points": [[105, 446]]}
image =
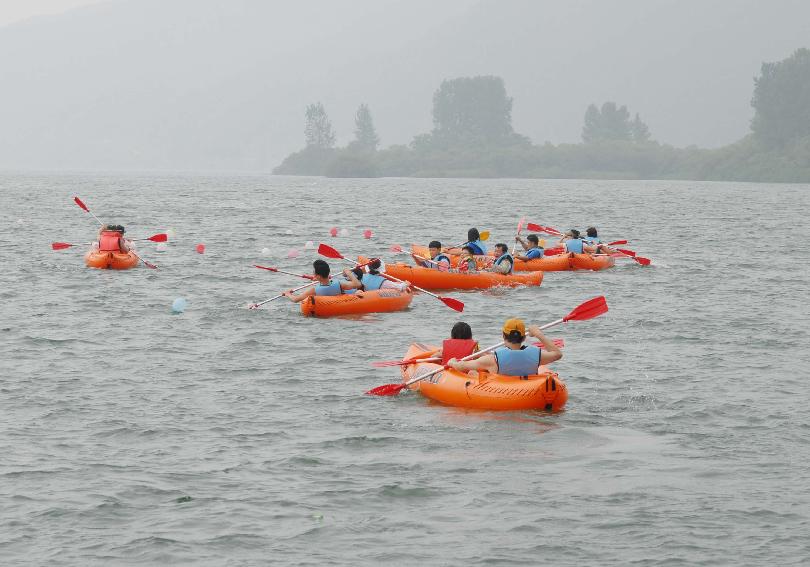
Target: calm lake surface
{"points": [[223, 436]]}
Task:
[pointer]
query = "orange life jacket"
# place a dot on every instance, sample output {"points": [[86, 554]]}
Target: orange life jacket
{"points": [[109, 241], [458, 348]]}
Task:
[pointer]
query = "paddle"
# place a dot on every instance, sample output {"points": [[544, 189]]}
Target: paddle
{"points": [[329, 252], [257, 305], [86, 209], [386, 363], [153, 238], [639, 259], [519, 228], [588, 310], [271, 269]]}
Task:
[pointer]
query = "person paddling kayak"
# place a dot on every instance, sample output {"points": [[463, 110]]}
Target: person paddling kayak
{"points": [[111, 239], [459, 345], [514, 359], [325, 285], [438, 259], [504, 262], [573, 242], [372, 279], [532, 247]]}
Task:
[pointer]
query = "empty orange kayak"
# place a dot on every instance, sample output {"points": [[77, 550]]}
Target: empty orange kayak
{"points": [[110, 260], [556, 263], [378, 301], [429, 278], [482, 390]]}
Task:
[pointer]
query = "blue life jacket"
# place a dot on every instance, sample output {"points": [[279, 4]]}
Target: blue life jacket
{"points": [[523, 362], [372, 281], [505, 257], [534, 253], [575, 245], [592, 240], [478, 247], [440, 257], [332, 289]]}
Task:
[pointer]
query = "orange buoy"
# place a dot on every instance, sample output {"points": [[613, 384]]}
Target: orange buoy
{"points": [[482, 390], [378, 301]]}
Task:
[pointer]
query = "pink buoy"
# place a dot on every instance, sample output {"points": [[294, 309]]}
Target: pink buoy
{"points": [[333, 231], [367, 234], [293, 253], [200, 248]]}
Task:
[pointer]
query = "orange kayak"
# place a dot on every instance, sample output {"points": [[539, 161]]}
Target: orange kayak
{"points": [[429, 278], [110, 260], [557, 263], [378, 301], [543, 391]]}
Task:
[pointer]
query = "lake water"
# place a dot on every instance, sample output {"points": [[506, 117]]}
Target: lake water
{"points": [[223, 436]]}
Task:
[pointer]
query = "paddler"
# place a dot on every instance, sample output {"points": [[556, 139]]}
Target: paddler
{"points": [[438, 259], [515, 358], [592, 239], [532, 247], [466, 261], [325, 285], [474, 241], [504, 262], [459, 345], [111, 239], [372, 279], [574, 243]]}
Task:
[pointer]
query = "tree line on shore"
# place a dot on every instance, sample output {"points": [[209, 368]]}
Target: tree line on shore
{"points": [[472, 136]]}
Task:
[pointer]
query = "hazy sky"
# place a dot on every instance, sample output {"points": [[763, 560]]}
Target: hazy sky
{"points": [[223, 84], [16, 10]]}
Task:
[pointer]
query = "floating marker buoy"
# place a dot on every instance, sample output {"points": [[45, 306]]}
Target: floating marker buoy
{"points": [[171, 233], [293, 253], [20, 221], [161, 247], [367, 234], [309, 245], [179, 305], [288, 231], [333, 231], [344, 232], [200, 248], [265, 251]]}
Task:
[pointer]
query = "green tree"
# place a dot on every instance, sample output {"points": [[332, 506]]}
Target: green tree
{"points": [[472, 111], [318, 130], [639, 130], [782, 100], [365, 136], [612, 123]]}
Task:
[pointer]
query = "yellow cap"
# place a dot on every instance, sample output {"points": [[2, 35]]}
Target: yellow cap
{"points": [[514, 325]]}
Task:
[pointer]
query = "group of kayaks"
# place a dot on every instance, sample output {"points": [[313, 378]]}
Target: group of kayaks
{"points": [[433, 379]]}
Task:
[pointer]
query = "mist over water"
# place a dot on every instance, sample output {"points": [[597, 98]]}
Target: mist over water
{"points": [[224, 436]]}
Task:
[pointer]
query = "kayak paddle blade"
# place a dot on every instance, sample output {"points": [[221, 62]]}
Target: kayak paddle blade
{"points": [[386, 390]]}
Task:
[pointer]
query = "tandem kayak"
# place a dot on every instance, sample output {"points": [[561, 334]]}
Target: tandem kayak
{"points": [[556, 263], [378, 301], [429, 278], [110, 260], [482, 390]]}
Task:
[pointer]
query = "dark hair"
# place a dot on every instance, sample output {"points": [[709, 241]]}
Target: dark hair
{"points": [[514, 337], [503, 247], [358, 272], [435, 244], [461, 330], [321, 268], [114, 228], [469, 249], [575, 233], [472, 235], [591, 232], [533, 238], [374, 266]]}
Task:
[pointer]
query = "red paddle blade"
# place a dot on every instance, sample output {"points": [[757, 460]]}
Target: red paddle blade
{"points": [[626, 252], [150, 265], [268, 268], [534, 227], [520, 225], [386, 390], [453, 303], [61, 245], [396, 248], [642, 261], [81, 204], [617, 242], [159, 237], [553, 251], [588, 310], [329, 252]]}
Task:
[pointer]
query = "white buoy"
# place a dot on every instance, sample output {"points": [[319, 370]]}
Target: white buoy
{"points": [[171, 233], [161, 247], [179, 305], [288, 231], [265, 251], [309, 245], [293, 253], [344, 232]]}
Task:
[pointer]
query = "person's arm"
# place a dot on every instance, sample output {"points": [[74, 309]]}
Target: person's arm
{"points": [[551, 352], [401, 286], [122, 244], [522, 242], [417, 260], [486, 362], [301, 296], [502, 268], [353, 282]]}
